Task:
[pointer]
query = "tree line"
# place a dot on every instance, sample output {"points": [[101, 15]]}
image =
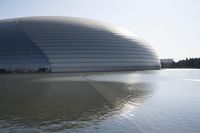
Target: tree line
{"points": [[187, 63]]}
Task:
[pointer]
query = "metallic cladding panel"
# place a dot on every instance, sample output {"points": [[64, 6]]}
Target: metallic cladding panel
{"points": [[76, 44], [17, 51]]}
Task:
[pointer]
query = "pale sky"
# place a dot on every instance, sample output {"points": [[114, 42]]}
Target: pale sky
{"points": [[172, 27]]}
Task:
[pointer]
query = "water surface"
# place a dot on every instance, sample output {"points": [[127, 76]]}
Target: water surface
{"points": [[142, 102]]}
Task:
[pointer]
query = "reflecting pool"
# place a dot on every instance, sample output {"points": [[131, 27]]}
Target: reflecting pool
{"points": [[143, 102]]}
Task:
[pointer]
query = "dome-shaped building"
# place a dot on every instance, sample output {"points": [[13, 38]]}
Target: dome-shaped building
{"points": [[68, 44]]}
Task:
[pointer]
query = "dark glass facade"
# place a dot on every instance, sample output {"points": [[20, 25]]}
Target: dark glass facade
{"points": [[67, 44]]}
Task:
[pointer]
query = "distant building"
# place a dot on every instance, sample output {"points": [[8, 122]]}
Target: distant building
{"points": [[166, 60], [167, 63], [68, 44]]}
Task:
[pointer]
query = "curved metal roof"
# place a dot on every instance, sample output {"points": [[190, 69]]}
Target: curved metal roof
{"points": [[68, 44]]}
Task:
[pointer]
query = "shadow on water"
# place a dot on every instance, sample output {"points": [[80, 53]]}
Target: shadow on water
{"points": [[43, 103]]}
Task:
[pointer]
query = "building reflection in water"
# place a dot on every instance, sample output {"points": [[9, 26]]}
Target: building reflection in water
{"points": [[56, 103]]}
